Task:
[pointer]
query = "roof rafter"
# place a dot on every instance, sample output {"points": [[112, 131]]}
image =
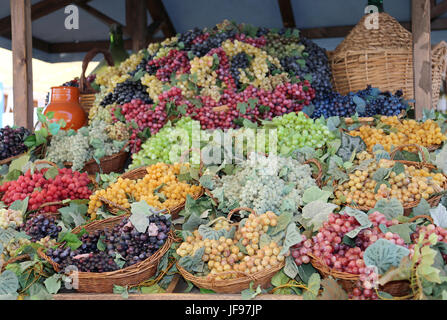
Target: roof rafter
{"points": [[288, 19], [158, 12], [438, 9], [102, 17]]}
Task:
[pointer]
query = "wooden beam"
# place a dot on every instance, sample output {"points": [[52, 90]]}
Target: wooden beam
{"points": [[288, 19], [22, 63], [39, 10], [158, 12], [170, 296], [438, 9], [136, 21], [85, 46], [420, 15], [102, 17]]}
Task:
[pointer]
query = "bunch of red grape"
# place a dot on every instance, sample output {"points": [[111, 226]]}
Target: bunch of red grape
{"points": [[65, 185], [328, 246], [427, 231]]}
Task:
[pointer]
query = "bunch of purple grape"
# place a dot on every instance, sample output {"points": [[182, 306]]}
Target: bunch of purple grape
{"points": [[11, 141], [106, 250], [41, 226]]}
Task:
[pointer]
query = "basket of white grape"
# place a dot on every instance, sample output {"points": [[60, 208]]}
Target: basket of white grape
{"points": [[159, 185], [114, 251], [406, 181], [12, 143], [227, 257]]}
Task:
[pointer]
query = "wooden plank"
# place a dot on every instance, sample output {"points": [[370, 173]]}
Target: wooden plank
{"points": [[136, 21], [170, 296], [288, 19], [420, 12], [438, 9], [22, 62], [158, 12], [102, 17], [173, 284], [85, 46]]}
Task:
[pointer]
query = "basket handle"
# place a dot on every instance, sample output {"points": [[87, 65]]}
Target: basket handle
{"points": [[46, 162], [230, 214], [320, 170], [13, 260], [84, 86], [401, 147], [422, 216], [213, 276], [42, 254]]}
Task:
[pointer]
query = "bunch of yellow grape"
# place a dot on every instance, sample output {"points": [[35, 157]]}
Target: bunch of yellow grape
{"points": [[160, 188], [425, 134], [408, 186], [243, 253]]}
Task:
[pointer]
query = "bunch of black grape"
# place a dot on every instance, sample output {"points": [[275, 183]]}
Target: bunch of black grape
{"points": [[127, 91], [375, 103], [41, 226], [215, 40], [239, 61], [11, 141], [101, 251], [141, 66], [317, 65]]}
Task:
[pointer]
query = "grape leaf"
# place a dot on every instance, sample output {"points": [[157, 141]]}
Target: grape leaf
{"points": [[441, 159], [361, 218], [316, 213], [313, 287], [207, 181], [422, 208], [139, 220], [439, 215], [264, 240], [20, 205], [119, 260], [314, 193], [19, 163], [290, 268], [381, 174], [9, 284], [193, 263], [193, 223], [51, 173], [249, 293], [332, 290], [210, 233], [305, 271], [350, 145], [390, 208], [383, 254], [282, 222], [293, 237], [403, 230], [71, 240], [53, 283]]}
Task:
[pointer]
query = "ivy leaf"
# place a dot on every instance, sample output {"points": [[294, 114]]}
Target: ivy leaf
{"points": [[314, 193], [439, 215], [316, 213], [332, 290], [390, 208], [383, 254], [293, 237]]}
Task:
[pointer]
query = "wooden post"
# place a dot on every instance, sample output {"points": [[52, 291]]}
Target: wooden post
{"points": [[136, 21], [22, 62], [420, 20]]}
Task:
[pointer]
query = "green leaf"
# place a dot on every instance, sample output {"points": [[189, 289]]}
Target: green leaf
{"points": [[403, 230], [242, 107], [249, 293], [119, 260], [361, 218], [305, 271], [193, 223], [54, 128], [206, 291], [316, 213], [422, 208], [314, 193], [282, 222], [264, 240], [121, 290], [51, 173], [313, 286], [381, 174], [19, 163], [38, 292], [390, 208], [74, 214], [398, 168], [349, 145], [383, 254], [71, 239], [207, 181], [290, 268], [53, 283], [293, 237], [280, 278], [332, 290], [439, 215], [210, 233], [9, 284], [20, 205], [193, 263], [152, 289]]}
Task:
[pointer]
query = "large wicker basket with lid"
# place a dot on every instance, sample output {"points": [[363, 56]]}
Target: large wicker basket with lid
{"points": [[382, 58]]}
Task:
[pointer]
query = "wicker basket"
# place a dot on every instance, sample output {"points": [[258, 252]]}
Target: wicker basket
{"points": [[87, 93], [136, 174], [382, 58], [433, 201], [113, 163], [91, 282], [242, 280], [399, 288]]}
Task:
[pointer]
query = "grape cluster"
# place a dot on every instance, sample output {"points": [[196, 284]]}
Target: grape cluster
{"points": [[13, 245], [427, 231], [328, 246], [375, 102], [127, 91], [120, 243], [67, 184], [11, 141], [261, 185], [41, 226], [425, 134], [411, 185], [10, 217]]}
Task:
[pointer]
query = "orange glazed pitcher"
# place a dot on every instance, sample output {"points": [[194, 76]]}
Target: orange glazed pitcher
{"points": [[64, 102]]}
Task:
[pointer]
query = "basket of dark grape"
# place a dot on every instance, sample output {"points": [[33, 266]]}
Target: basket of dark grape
{"points": [[157, 184], [87, 93], [227, 258], [11, 143], [351, 265], [113, 252], [406, 181]]}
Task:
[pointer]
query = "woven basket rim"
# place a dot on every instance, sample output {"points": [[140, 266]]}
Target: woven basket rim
{"points": [[130, 269]]}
